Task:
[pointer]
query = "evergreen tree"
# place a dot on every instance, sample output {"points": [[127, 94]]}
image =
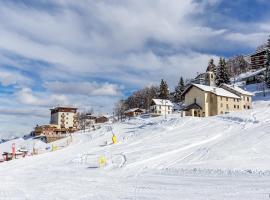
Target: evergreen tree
{"points": [[163, 90], [179, 90], [222, 73]]}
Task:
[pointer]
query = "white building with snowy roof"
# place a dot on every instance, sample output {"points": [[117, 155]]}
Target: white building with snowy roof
{"points": [[204, 101], [161, 107]]}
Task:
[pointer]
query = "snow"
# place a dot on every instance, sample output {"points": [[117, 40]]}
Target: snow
{"points": [[249, 74], [133, 110], [221, 157], [216, 90], [163, 102], [238, 89]]}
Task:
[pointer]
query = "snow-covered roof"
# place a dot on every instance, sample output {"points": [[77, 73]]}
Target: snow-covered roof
{"points": [[162, 102], [133, 110], [216, 90], [238, 89], [250, 74]]}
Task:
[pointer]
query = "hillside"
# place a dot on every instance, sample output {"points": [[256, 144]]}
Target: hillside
{"points": [[218, 157]]}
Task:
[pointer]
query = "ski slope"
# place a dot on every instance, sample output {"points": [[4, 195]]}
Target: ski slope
{"points": [[222, 157]]}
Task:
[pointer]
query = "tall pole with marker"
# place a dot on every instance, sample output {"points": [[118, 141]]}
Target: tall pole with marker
{"points": [[13, 150]]}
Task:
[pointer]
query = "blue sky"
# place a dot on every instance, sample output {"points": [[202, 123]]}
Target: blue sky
{"points": [[92, 53]]}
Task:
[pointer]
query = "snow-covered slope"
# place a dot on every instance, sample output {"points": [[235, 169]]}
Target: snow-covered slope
{"points": [[222, 157]]}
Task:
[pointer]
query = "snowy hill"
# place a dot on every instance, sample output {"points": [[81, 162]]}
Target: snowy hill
{"points": [[222, 157]]}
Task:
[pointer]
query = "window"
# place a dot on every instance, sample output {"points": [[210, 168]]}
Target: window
{"points": [[238, 106], [195, 100], [159, 107], [244, 98], [247, 99], [234, 106], [66, 122], [221, 112], [226, 98], [244, 106], [234, 100], [227, 106], [221, 98], [221, 105], [212, 76], [248, 107]]}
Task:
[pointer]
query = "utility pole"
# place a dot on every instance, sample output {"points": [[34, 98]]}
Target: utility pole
{"points": [[165, 108]]}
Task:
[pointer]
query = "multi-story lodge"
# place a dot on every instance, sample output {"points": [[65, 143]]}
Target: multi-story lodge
{"points": [[64, 117], [63, 121], [259, 59], [204, 101]]}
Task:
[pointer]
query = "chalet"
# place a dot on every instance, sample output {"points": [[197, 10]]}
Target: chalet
{"points": [[161, 107], [101, 119], [134, 112], [204, 101], [259, 59], [49, 133]]}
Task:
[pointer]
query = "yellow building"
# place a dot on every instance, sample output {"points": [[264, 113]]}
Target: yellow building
{"points": [[204, 101]]}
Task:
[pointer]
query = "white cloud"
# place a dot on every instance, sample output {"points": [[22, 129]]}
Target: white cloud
{"points": [[84, 88], [250, 39], [8, 78], [132, 43], [27, 97], [96, 38]]}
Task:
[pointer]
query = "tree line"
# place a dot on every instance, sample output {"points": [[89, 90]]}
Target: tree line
{"points": [[223, 73]]}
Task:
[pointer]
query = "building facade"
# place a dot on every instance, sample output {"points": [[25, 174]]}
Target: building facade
{"points": [[134, 112], [259, 59], [64, 117], [204, 101], [161, 107]]}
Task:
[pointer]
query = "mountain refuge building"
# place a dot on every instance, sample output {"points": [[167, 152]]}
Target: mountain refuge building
{"points": [[204, 100]]}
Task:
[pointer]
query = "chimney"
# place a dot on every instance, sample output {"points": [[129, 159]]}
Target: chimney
{"points": [[214, 90]]}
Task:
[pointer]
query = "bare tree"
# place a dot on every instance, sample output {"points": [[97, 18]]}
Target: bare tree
{"points": [[119, 108], [237, 65], [142, 98]]}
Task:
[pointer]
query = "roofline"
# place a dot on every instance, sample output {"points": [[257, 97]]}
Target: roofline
{"points": [[226, 85], [58, 107], [208, 91]]}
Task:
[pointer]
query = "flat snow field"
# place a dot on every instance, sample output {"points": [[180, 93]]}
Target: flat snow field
{"points": [[222, 157]]}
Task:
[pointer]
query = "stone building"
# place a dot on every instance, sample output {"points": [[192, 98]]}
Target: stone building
{"points": [[204, 101]]}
